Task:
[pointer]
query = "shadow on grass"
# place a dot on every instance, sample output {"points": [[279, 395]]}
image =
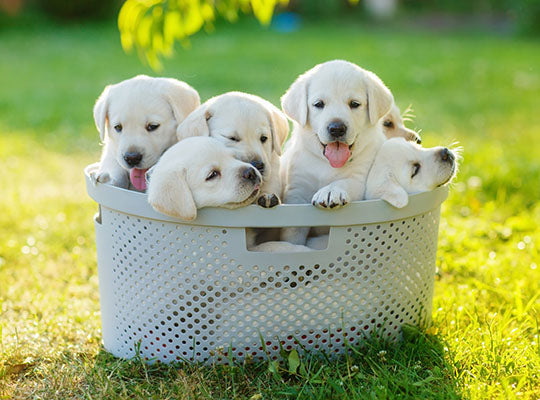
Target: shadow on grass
{"points": [[416, 367]]}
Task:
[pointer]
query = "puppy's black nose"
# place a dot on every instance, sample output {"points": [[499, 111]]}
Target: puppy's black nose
{"points": [[258, 164], [250, 174], [337, 129], [446, 155], [132, 158]]}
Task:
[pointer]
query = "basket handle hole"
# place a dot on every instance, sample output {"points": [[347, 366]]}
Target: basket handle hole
{"points": [[267, 240]]}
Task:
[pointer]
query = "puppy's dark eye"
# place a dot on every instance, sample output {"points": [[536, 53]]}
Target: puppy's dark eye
{"points": [[118, 128], [415, 170], [264, 138], [319, 104], [354, 104], [233, 138], [152, 127], [388, 124], [213, 174]]}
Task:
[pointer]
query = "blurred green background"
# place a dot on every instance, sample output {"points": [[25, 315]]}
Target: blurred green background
{"points": [[471, 71]]}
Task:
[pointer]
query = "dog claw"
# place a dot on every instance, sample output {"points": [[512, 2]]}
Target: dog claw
{"points": [[328, 198]]}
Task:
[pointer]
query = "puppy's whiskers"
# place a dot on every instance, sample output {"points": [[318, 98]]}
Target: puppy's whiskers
{"points": [[457, 150], [408, 114]]}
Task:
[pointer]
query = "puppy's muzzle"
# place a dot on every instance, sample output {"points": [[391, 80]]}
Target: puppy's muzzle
{"points": [[258, 164], [337, 129], [250, 174], [132, 159], [447, 156]]}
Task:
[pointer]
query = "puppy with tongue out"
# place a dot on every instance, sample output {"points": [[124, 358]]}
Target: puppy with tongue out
{"points": [[137, 120], [335, 107]]}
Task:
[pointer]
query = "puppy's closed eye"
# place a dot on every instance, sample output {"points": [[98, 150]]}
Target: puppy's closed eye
{"points": [[233, 138], [151, 127], [415, 169]]}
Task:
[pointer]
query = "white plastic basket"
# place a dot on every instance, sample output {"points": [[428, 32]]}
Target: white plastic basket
{"points": [[174, 290]]}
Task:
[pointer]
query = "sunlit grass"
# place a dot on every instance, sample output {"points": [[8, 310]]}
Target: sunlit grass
{"points": [[479, 90]]}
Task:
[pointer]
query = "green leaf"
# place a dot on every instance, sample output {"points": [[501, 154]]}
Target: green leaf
{"points": [[294, 361], [273, 368]]}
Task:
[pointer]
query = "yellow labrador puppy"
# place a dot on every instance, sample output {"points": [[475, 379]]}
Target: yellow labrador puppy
{"points": [[393, 125], [252, 127], [200, 172], [137, 120], [403, 168], [336, 108]]}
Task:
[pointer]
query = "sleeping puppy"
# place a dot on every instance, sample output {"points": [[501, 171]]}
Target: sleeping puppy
{"points": [[137, 120], [402, 167], [252, 127], [200, 172], [336, 108], [393, 125]]}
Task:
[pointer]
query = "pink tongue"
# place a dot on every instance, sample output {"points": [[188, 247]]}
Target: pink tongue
{"points": [[337, 153], [138, 180]]}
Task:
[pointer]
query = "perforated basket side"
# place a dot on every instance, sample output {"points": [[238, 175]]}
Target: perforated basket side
{"points": [[173, 291]]}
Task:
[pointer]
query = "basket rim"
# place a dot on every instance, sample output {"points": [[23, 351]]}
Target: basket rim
{"points": [[284, 215]]}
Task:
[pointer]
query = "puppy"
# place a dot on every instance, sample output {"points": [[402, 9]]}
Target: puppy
{"points": [[393, 125], [137, 120], [279, 247], [200, 172], [313, 243], [252, 127], [402, 167], [336, 108]]}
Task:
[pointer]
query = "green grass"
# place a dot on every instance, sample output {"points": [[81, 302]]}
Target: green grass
{"points": [[479, 89]]}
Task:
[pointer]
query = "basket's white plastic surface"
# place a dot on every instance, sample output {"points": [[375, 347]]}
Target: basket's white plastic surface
{"points": [[174, 290]]}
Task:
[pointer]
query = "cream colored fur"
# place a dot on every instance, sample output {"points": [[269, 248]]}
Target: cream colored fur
{"points": [[306, 173], [199, 172], [251, 126], [134, 104], [402, 168]]}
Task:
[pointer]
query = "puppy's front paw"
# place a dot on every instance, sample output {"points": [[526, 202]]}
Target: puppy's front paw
{"points": [[330, 198], [101, 177], [268, 200]]}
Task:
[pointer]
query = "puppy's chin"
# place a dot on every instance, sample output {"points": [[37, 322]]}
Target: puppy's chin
{"points": [[450, 176], [247, 201]]}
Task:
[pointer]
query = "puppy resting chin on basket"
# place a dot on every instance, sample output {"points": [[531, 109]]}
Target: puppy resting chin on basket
{"points": [[200, 172], [401, 168]]}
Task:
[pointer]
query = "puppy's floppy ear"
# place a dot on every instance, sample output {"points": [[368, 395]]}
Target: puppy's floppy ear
{"points": [[379, 97], [182, 98], [170, 194], [196, 123], [294, 101], [101, 112], [280, 128], [392, 192]]}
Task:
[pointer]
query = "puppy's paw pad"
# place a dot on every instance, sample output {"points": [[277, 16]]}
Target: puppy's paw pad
{"points": [[330, 198], [268, 200]]}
